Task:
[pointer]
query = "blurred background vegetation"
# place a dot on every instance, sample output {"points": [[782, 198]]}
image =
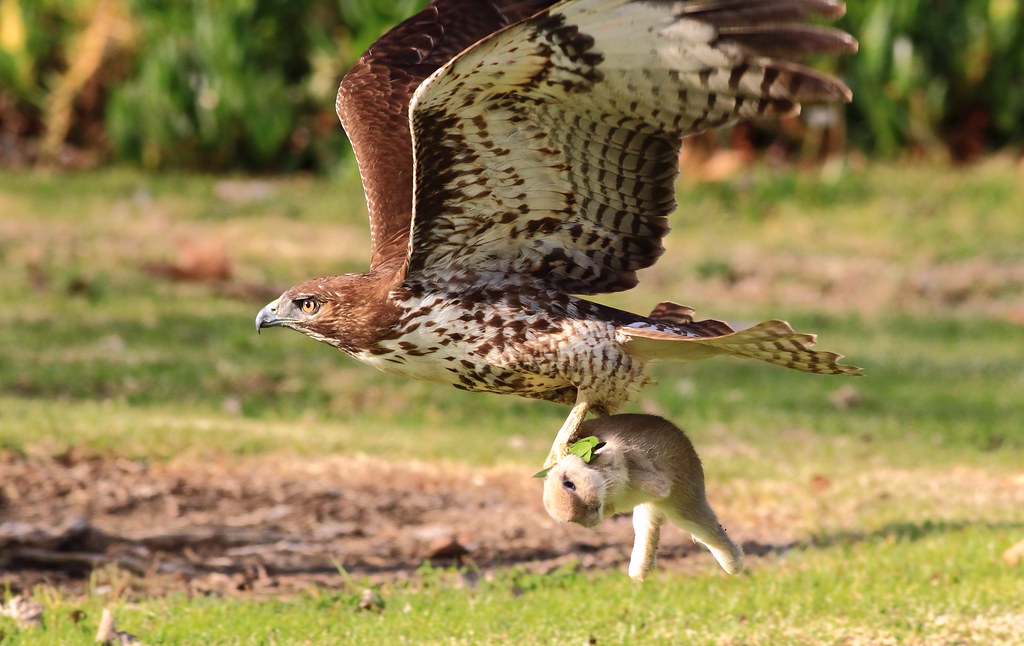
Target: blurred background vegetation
{"points": [[249, 84]]}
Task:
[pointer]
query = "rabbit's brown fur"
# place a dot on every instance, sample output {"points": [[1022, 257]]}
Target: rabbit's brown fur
{"points": [[647, 464]]}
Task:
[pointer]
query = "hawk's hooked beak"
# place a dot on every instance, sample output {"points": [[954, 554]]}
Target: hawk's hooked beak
{"points": [[268, 316]]}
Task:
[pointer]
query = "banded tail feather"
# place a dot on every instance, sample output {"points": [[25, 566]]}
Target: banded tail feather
{"points": [[773, 342]]}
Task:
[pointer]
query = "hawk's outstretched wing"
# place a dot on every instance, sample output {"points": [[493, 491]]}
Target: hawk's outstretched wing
{"points": [[373, 103], [550, 148]]}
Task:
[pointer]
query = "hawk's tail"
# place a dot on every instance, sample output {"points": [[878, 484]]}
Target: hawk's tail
{"points": [[772, 341]]}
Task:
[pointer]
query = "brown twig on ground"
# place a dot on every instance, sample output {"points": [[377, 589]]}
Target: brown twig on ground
{"points": [[109, 634]]}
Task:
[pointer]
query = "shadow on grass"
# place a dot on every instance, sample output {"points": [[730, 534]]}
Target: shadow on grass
{"points": [[255, 561], [909, 532], [892, 532]]}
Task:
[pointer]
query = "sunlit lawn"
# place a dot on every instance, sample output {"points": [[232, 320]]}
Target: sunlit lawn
{"points": [[916, 274]]}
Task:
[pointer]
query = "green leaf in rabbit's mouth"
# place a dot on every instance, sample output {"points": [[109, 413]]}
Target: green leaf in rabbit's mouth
{"points": [[584, 448]]}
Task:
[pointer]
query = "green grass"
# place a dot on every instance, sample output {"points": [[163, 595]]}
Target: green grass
{"points": [[914, 273], [932, 584]]}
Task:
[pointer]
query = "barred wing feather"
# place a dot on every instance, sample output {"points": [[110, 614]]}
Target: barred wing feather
{"points": [[550, 148]]}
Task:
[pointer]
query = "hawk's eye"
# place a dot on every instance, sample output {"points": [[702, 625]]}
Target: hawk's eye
{"points": [[308, 305]]}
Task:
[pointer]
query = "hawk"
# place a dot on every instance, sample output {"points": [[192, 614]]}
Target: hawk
{"points": [[519, 154]]}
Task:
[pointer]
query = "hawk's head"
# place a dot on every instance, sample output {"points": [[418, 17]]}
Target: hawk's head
{"points": [[335, 310]]}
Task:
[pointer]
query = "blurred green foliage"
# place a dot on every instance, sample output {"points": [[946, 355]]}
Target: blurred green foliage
{"points": [[222, 84], [212, 84], [218, 82], [33, 39], [936, 71]]}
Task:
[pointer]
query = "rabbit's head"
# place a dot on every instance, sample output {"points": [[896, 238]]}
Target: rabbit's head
{"points": [[574, 492]]}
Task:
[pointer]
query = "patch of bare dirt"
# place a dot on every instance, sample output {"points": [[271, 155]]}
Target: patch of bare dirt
{"points": [[272, 525]]}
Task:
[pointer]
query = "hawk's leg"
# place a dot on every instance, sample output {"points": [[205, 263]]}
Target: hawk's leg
{"points": [[567, 433]]}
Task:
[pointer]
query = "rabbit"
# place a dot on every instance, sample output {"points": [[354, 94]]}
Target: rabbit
{"points": [[646, 464]]}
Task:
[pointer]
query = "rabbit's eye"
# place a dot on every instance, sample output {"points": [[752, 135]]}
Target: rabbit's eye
{"points": [[569, 484]]}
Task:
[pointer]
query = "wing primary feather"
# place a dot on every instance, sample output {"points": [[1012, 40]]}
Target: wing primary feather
{"points": [[732, 12], [790, 40]]}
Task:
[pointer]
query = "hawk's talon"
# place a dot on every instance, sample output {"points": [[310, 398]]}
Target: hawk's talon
{"points": [[570, 427], [556, 454]]}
